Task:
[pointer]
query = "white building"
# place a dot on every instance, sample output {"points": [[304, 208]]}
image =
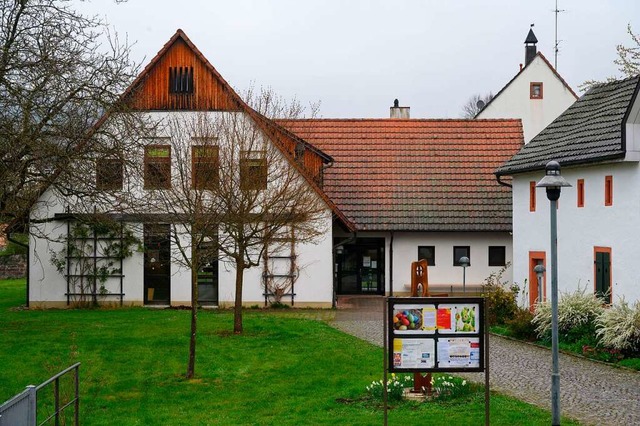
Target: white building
{"points": [[537, 94], [597, 143]]}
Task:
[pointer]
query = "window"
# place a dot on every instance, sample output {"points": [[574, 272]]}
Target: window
{"points": [[428, 253], [157, 167], [608, 190], [602, 272], [535, 90], [532, 196], [109, 174], [253, 170], [461, 251], [497, 256], [299, 151], [180, 79], [205, 165], [580, 188]]}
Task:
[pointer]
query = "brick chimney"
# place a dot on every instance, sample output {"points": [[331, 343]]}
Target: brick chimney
{"points": [[398, 111]]}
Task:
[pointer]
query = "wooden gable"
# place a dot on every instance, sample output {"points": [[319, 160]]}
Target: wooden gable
{"points": [[180, 78]]}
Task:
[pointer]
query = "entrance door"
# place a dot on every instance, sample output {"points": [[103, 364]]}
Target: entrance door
{"points": [[602, 265], [208, 276], [360, 267], [536, 258], [157, 264]]}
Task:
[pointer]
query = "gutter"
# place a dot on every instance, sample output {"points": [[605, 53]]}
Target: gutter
{"points": [[508, 185]]}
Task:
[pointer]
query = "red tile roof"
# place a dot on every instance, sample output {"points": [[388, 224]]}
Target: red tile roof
{"points": [[422, 175]]}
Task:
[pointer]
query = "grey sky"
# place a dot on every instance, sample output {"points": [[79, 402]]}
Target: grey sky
{"points": [[357, 56]]}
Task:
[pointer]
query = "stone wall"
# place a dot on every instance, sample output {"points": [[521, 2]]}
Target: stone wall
{"points": [[14, 266]]}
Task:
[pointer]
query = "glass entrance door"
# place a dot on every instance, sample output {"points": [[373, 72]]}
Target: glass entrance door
{"points": [[157, 264], [360, 267]]}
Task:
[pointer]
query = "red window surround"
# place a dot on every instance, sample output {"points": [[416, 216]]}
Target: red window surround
{"points": [[532, 196], [580, 187], [608, 190]]}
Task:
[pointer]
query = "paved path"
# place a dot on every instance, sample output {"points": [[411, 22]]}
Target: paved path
{"points": [[590, 392]]}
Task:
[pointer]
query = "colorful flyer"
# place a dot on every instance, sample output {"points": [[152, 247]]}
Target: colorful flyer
{"points": [[413, 353]]}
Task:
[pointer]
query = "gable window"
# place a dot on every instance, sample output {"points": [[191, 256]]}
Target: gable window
{"points": [[532, 196], [253, 170], [497, 256], [535, 90], [427, 253], [180, 79], [608, 190], [157, 167], [299, 151], [205, 166], [580, 189], [109, 174], [461, 251]]}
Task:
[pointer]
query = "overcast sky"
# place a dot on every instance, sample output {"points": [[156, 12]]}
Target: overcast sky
{"points": [[357, 56]]}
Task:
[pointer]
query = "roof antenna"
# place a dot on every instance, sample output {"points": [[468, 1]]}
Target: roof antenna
{"points": [[555, 61]]}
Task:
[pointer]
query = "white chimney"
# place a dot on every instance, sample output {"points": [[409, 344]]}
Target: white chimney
{"points": [[398, 111]]}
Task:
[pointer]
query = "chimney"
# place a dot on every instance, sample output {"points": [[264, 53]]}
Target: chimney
{"points": [[530, 47], [398, 111]]}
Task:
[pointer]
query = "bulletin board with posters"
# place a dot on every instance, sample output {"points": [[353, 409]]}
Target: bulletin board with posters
{"points": [[436, 334]]}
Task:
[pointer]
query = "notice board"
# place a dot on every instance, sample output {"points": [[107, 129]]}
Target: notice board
{"points": [[435, 334]]}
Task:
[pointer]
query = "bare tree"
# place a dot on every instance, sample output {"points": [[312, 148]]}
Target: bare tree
{"points": [[475, 104], [230, 193], [60, 72], [628, 61]]}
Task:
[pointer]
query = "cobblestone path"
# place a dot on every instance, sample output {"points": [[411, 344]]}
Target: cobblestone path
{"points": [[590, 392]]}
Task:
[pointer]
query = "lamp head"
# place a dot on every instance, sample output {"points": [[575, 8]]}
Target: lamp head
{"points": [[553, 181], [464, 261]]}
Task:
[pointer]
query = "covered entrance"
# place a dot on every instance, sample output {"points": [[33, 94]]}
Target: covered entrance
{"points": [[157, 264], [359, 267]]}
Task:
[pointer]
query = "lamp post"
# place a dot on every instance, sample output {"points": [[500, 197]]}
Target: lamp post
{"points": [[464, 262], [553, 183], [539, 270]]}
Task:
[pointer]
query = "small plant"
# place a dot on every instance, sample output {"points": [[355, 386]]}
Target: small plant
{"points": [[577, 313], [449, 387], [279, 305], [501, 299], [618, 327], [395, 387], [520, 325]]}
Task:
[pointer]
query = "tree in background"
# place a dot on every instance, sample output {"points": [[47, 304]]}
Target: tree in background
{"points": [[475, 104], [628, 61], [60, 72]]}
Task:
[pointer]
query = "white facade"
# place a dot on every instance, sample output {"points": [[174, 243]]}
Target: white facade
{"points": [[48, 286], [515, 100], [582, 230]]}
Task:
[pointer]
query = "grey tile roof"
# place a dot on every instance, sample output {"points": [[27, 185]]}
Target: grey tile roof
{"points": [[589, 131]]}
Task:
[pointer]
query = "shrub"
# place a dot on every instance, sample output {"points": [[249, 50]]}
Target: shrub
{"points": [[449, 387], [395, 387], [619, 327], [577, 312], [501, 300], [520, 326]]}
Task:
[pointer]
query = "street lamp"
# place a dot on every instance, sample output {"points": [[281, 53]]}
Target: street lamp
{"points": [[539, 270], [553, 182], [464, 262]]}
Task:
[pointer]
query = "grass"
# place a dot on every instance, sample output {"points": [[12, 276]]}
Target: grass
{"points": [[283, 371]]}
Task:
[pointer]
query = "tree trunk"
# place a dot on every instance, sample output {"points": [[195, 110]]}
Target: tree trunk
{"points": [[237, 309], [194, 314]]}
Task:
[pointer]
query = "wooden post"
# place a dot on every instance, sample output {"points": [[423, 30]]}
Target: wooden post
{"points": [[420, 288]]}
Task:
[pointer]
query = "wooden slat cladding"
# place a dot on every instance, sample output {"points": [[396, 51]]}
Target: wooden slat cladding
{"points": [[206, 94], [309, 159]]}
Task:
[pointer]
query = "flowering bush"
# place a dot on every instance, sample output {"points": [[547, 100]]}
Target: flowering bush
{"points": [[395, 387], [577, 312], [619, 326], [449, 387]]}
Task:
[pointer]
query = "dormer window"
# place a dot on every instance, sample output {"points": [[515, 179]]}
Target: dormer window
{"points": [[535, 90], [180, 79]]}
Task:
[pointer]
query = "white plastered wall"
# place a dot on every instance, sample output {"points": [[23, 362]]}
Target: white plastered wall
{"points": [[536, 114]]}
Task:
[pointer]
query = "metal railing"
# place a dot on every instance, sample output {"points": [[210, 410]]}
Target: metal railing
{"points": [[22, 409]]}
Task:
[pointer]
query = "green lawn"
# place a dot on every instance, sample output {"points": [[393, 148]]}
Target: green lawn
{"points": [[282, 371]]}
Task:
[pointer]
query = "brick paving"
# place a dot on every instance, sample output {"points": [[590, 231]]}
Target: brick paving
{"points": [[590, 392]]}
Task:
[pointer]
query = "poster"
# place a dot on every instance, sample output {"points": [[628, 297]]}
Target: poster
{"points": [[366, 261], [414, 319], [459, 353], [458, 318], [413, 353]]}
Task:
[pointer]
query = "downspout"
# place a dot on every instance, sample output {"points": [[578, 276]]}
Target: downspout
{"points": [[391, 265]]}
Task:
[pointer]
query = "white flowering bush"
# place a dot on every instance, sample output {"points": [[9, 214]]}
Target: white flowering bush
{"points": [[449, 387], [577, 313], [395, 387], [619, 327]]}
